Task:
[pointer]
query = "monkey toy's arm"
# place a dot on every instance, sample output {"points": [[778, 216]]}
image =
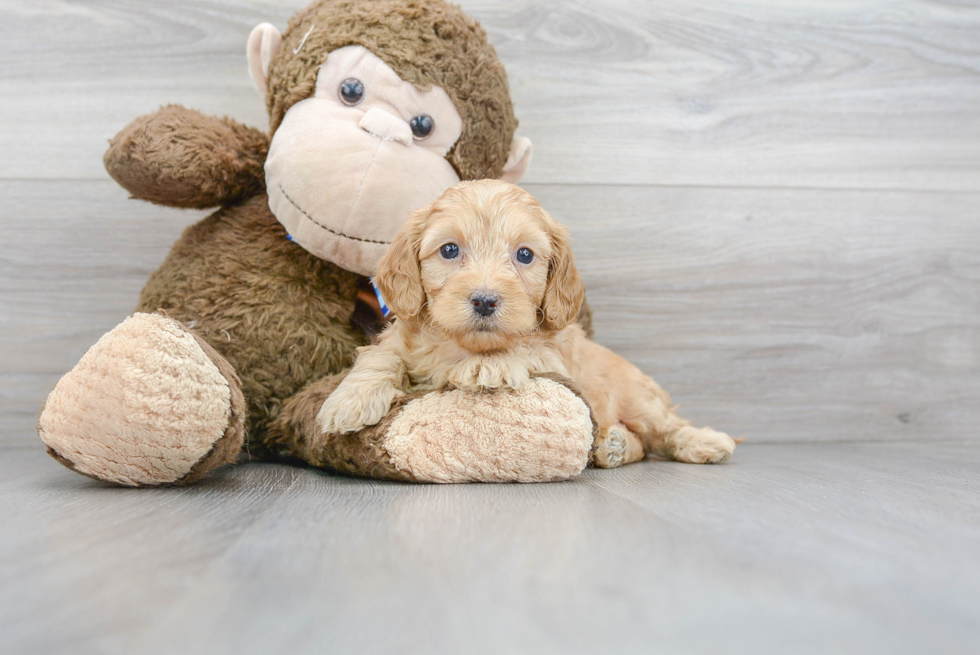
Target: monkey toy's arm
{"points": [[543, 432], [181, 158]]}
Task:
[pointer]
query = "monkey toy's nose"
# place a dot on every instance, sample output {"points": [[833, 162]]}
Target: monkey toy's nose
{"points": [[386, 126], [484, 304]]}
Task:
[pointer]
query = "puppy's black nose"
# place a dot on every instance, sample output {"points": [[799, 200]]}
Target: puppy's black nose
{"points": [[484, 304]]}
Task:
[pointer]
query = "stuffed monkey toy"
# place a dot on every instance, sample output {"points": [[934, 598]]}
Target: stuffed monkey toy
{"points": [[375, 108]]}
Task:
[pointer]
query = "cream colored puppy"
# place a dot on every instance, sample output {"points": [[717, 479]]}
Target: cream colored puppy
{"points": [[485, 291]]}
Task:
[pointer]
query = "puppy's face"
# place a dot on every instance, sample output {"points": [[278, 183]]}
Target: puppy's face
{"points": [[484, 264], [490, 265]]}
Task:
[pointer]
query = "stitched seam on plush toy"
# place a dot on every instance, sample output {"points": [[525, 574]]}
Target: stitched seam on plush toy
{"points": [[314, 221], [357, 194]]}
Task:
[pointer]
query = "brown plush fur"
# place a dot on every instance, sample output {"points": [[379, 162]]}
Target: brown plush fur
{"points": [[279, 315], [437, 44], [182, 158]]}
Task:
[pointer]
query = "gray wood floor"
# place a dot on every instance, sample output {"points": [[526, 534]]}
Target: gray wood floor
{"points": [[776, 208], [794, 548]]}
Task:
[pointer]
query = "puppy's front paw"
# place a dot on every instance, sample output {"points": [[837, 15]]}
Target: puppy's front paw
{"points": [[349, 410], [702, 446]]}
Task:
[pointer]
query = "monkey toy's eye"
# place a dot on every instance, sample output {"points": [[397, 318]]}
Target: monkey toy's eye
{"points": [[351, 91], [422, 126], [449, 251], [525, 256]]}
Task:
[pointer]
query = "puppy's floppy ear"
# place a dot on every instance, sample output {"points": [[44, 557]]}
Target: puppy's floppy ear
{"points": [[399, 277], [564, 294]]}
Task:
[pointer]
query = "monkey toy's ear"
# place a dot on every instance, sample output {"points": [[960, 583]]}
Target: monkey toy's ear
{"points": [[518, 160], [263, 43]]}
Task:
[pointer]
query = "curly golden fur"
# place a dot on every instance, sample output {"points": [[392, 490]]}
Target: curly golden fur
{"points": [[484, 287]]}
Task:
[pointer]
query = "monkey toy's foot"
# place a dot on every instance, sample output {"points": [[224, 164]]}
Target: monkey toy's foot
{"points": [[148, 404], [616, 446]]}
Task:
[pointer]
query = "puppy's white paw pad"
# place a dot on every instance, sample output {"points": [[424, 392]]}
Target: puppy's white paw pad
{"points": [[610, 449]]}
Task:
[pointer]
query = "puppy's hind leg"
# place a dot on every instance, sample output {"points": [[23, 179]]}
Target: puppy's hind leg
{"points": [[666, 434], [699, 445], [616, 446]]}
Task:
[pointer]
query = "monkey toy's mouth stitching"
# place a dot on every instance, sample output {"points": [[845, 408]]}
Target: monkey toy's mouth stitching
{"points": [[324, 227]]}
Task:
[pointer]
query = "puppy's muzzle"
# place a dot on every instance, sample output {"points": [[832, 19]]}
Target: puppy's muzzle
{"points": [[484, 304]]}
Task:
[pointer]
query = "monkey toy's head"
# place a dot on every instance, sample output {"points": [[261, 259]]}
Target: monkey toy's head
{"points": [[376, 107]]}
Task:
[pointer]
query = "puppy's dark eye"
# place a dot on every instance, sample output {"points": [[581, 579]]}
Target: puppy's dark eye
{"points": [[422, 126], [449, 251], [351, 91], [525, 256]]}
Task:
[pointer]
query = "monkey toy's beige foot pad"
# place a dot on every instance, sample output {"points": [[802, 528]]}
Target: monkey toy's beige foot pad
{"points": [[148, 404], [540, 433]]}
